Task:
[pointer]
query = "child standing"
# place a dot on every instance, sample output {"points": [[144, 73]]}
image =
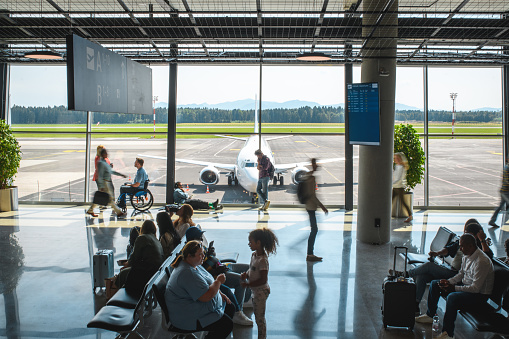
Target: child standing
{"points": [[262, 242]]}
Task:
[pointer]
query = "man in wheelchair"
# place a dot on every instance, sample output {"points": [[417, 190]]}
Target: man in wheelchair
{"points": [[138, 184]]}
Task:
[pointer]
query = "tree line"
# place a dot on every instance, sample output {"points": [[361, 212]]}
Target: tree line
{"points": [[317, 114]]}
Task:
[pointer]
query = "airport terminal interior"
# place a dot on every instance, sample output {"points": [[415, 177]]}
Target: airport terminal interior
{"points": [[48, 240]]}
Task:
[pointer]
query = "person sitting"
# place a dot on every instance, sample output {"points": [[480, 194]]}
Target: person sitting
{"points": [[145, 260], [181, 197], [232, 272], [184, 221], [429, 271], [167, 235], [470, 288], [193, 296], [139, 180]]}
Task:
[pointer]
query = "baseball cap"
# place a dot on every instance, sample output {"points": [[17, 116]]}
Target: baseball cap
{"points": [[193, 233]]}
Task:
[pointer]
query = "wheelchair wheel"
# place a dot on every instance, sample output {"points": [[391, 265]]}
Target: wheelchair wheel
{"points": [[142, 200]]}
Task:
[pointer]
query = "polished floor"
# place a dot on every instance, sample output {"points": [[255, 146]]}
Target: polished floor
{"points": [[45, 258]]}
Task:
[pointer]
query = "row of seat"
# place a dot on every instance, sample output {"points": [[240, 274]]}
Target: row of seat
{"points": [[488, 317]]}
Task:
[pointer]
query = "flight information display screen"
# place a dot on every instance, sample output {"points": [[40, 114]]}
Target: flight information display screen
{"points": [[364, 113]]}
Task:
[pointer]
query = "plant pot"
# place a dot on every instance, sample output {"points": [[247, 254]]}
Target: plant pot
{"points": [[9, 199], [398, 211]]}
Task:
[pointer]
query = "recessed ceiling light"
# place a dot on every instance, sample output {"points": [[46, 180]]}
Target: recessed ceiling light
{"points": [[313, 56]]}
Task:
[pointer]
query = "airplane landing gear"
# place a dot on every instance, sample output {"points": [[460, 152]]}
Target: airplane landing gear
{"points": [[254, 198], [232, 180], [279, 178]]}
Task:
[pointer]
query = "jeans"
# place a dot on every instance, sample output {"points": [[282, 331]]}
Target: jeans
{"points": [[228, 292], [504, 200], [233, 281], [427, 272], [455, 301], [314, 231], [263, 189]]}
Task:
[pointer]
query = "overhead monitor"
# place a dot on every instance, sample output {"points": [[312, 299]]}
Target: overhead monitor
{"points": [[100, 80], [364, 113]]}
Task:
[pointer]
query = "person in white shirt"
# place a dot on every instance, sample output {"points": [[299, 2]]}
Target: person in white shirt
{"points": [[470, 288]]}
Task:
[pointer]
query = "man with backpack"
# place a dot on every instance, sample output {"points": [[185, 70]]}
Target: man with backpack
{"points": [[307, 195], [265, 168]]}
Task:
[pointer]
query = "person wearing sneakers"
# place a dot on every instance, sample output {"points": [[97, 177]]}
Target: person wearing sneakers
{"points": [[504, 195], [262, 189], [232, 272], [470, 288], [104, 183], [181, 197], [312, 204], [399, 181]]}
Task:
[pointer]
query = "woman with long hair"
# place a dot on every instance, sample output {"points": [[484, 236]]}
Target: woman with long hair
{"points": [[168, 237], [184, 221]]}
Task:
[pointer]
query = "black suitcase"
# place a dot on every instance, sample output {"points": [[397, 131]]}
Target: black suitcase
{"points": [[398, 308], [101, 198]]}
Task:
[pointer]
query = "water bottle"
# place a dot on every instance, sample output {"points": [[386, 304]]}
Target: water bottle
{"points": [[436, 326]]}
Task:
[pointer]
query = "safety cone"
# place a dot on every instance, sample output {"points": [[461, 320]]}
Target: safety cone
{"points": [[316, 188], [129, 178], [207, 189], [187, 189]]}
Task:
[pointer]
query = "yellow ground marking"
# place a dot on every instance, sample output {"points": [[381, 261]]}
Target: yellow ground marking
{"points": [[81, 151], [494, 153], [300, 141], [332, 175], [312, 143], [43, 156], [234, 149], [69, 151]]}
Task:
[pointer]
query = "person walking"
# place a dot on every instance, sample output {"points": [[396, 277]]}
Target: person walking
{"points": [[399, 182], [504, 195], [312, 204], [262, 189], [105, 184]]}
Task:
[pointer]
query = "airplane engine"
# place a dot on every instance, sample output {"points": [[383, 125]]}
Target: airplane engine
{"points": [[298, 174], [209, 176]]}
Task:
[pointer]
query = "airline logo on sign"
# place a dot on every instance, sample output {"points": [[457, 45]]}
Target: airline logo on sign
{"points": [[90, 58]]}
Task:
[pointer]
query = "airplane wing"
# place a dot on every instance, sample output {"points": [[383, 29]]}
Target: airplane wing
{"points": [[280, 168], [230, 137], [193, 162], [279, 137]]}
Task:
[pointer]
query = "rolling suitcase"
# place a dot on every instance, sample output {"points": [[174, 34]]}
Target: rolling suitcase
{"points": [[102, 267], [398, 308]]}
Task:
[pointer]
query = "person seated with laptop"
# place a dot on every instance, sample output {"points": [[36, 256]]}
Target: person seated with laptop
{"points": [[468, 289]]}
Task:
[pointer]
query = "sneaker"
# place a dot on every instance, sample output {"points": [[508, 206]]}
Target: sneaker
{"points": [[214, 205], [492, 223], [424, 319], [266, 205], [312, 257], [410, 218], [92, 213], [121, 215], [248, 304], [219, 207], [240, 318], [444, 335]]}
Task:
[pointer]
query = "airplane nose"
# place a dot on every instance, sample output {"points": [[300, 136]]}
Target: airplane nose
{"points": [[253, 179]]}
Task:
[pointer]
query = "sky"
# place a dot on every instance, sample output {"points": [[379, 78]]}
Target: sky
{"points": [[476, 87]]}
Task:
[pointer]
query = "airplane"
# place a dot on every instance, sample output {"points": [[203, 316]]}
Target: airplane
{"points": [[244, 171]]}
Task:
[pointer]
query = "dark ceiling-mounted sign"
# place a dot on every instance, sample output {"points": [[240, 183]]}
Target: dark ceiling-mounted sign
{"points": [[100, 80]]}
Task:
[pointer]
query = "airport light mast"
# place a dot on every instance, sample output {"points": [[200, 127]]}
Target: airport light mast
{"points": [[155, 98], [453, 97]]}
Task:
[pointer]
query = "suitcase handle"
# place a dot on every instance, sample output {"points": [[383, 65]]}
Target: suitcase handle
{"points": [[396, 254]]}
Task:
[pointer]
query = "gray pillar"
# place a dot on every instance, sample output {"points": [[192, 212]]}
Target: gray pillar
{"points": [[4, 91], [375, 162], [172, 134], [505, 109], [348, 147]]}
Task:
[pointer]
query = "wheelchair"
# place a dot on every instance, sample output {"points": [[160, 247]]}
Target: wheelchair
{"points": [[141, 200]]}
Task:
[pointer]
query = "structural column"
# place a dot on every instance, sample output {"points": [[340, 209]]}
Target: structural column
{"points": [[505, 109], [375, 162], [172, 133], [348, 147], [4, 91]]}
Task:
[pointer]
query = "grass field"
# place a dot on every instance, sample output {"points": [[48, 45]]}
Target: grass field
{"points": [[145, 131]]}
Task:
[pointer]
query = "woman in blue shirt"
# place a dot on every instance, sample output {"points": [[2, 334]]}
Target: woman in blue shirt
{"points": [[193, 296]]}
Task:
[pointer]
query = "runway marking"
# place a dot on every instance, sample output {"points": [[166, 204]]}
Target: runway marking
{"points": [[494, 153], [43, 156], [493, 175], [312, 143], [466, 188], [234, 149], [332, 175], [300, 141], [224, 148]]}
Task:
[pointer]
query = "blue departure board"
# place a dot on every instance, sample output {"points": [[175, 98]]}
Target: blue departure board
{"points": [[364, 113]]}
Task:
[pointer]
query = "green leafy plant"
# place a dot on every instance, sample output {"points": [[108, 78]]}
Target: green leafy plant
{"points": [[406, 140], [10, 155]]}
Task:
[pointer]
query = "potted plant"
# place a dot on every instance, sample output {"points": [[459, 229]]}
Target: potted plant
{"points": [[406, 140], [10, 157]]}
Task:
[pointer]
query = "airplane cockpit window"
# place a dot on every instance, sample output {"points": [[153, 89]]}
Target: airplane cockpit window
{"points": [[250, 164]]}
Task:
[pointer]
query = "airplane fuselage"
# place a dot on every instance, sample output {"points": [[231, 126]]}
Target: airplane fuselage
{"points": [[246, 170]]}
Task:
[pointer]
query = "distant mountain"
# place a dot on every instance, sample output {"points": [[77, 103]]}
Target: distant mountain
{"points": [[247, 104], [487, 109]]}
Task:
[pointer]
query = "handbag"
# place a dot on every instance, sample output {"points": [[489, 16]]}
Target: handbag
{"points": [[101, 198], [111, 288]]}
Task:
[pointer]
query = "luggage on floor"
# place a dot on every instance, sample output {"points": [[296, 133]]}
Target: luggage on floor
{"points": [[398, 308], [102, 267]]}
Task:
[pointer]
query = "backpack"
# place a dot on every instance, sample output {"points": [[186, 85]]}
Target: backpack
{"points": [[302, 193], [271, 169]]}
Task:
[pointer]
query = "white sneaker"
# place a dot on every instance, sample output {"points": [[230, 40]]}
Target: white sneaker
{"points": [[424, 319], [240, 318], [248, 304], [444, 335], [266, 206]]}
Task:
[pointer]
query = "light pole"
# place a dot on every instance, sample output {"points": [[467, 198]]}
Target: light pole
{"points": [[155, 99], [453, 97]]}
